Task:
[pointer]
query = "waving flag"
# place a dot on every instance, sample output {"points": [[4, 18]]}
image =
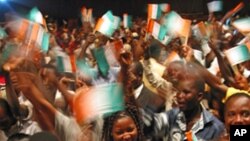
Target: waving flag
{"points": [[117, 21], [237, 55], [243, 25], [97, 101], [108, 16], [165, 7], [154, 11], [127, 20], [106, 27], [214, 6], [158, 31], [66, 63]]}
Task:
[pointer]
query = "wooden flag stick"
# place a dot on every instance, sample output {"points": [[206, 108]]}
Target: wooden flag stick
{"points": [[233, 11]]}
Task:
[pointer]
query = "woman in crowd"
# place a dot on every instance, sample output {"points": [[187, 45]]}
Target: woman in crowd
{"points": [[123, 126]]}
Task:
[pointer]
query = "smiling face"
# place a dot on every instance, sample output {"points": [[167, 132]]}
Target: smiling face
{"points": [[237, 111], [124, 129]]}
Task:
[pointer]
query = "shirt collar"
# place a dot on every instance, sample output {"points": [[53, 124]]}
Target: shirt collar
{"points": [[137, 91]]}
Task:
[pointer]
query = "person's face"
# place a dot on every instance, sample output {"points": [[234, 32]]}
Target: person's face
{"points": [[174, 72], [188, 97], [124, 129], [237, 112]]}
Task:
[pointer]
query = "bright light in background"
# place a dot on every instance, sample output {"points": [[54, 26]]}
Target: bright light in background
{"points": [[3, 0]]}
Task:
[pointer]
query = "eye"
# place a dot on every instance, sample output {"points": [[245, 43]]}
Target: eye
{"points": [[119, 132], [130, 129], [230, 114], [245, 114]]}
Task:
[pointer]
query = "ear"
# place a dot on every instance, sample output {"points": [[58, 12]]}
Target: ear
{"points": [[200, 96]]}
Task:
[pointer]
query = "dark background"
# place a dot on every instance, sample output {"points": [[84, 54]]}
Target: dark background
{"points": [[69, 9]]}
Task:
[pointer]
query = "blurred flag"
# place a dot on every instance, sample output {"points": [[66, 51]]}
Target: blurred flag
{"points": [[172, 22], [85, 69], [154, 11], [214, 6], [66, 63], [184, 29], [108, 16], [101, 100], [165, 7], [201, 29], [117, 22], [158, 31], [243, 25], [36, 16], [18, 28], [101, 60], [127, 20], [105, 26], [237, 55]]}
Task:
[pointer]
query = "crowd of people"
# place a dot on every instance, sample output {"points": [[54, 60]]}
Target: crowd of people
{"points": [[185, 89]]}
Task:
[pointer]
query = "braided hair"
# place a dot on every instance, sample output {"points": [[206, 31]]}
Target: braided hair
{"points": [[130, 111]]}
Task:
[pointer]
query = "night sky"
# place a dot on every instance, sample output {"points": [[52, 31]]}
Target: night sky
{"points": [[66, 9]]}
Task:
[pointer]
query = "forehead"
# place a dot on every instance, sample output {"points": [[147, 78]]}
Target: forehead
{"points": [[123, 122], [238, 103]]}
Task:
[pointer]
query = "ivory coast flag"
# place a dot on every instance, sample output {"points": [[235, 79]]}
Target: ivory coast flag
{"points": [[32, 32], [105, 26], [184, 28], [108, 16], [127, 20], [215, 6], [243, 25], [172, 22], [237, 55], [100, 100], [19, 28], [117, 21], [66, 63], [158, 31], [154, 11], [165, 7]]}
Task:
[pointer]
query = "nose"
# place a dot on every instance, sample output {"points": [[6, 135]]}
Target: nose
{"points": [[127, 137], [238, 120]]}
